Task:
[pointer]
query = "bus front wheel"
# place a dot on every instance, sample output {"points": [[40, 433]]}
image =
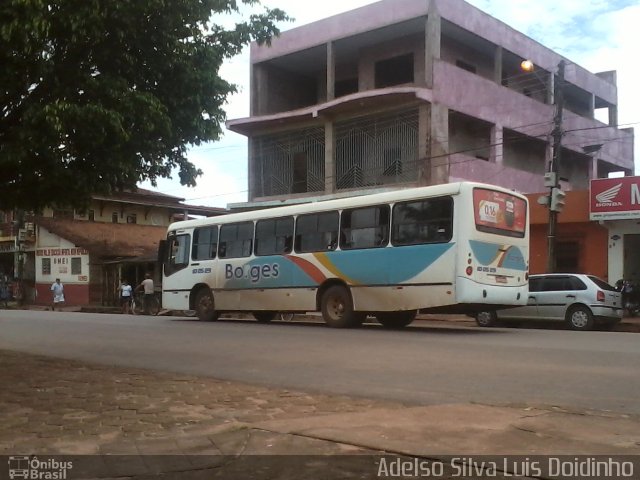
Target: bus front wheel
{"points": [[396, 320], [205, 307], [337, 308]]}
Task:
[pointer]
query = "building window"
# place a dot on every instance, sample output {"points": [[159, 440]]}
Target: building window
{"points": [[346, 87], [76, 266], [299, 173], [394, 71], [114, 217], [466, 66], [46, 266], [132, 218]]}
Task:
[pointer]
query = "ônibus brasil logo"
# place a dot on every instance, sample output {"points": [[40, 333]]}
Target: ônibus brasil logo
{"points": [[607, 198], [31, 468]]}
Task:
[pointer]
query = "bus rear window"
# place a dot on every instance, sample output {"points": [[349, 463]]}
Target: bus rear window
{"points": [[499, 213]]}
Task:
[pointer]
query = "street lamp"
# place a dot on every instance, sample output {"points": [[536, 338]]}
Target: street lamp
{"points": [[527, 66]]}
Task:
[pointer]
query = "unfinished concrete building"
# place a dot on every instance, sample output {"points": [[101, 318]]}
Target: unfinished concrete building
{"points": [[415, 92]]}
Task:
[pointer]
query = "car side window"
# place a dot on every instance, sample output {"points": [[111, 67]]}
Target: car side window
{"points": [[555, 284], [535, 284], [577, 284]]}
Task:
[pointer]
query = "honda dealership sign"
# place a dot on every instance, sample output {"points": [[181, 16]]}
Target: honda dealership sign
{"points": [[615, 198]]}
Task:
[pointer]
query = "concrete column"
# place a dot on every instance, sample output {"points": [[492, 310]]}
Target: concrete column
{"points": [[433, 43], [331, 72], [592, 106], [594, 167], [252, 175], [497, 147], [497, 65], [259, 90], [613, 115], [424, 166], [439, 144], [329, 158]]}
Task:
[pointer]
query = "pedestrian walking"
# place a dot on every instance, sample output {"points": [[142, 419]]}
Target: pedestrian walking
{"points": [[126, 293], [58, 294]]}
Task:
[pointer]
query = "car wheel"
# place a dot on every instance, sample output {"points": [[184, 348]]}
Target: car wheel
{"points": [[396, 320], [486, 319], [337, 308], [205, 307], [264, 317], [580, 318]]}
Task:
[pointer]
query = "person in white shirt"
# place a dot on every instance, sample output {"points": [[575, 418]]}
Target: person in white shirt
{"points": [[58, 294], [126, 292], [147, 286]]}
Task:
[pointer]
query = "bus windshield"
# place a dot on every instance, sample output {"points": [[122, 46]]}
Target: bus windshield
{"points": [[499, 213]]}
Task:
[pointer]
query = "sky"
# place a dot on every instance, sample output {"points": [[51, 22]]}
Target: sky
{"points": [[599, 35]]}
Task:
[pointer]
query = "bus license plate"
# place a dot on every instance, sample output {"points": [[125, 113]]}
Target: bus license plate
{"points": [[501, 279]]}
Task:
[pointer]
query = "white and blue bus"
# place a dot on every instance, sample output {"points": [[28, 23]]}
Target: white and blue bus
{"points": [[453, 248]]}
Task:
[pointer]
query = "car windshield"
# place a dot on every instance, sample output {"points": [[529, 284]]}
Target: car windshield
{"points": [[601, 283]]}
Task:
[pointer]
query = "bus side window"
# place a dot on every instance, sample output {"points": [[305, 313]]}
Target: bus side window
{"points": [[274, 236], [236, 240], [317, 232], [366, 227], [205, 243], [178, 253], [422, 221]]}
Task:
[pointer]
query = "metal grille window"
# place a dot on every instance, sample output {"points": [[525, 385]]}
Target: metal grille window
{"points": [[292, 162], [236, 240], [365, 227], [422, 221], [76, 266], [275, 236], [377, 150], [205, 243], [317, 232], [46, 266]]}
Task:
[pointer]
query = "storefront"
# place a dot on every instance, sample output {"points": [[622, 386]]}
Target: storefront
{"points": [[581, 245], [615, 204]]}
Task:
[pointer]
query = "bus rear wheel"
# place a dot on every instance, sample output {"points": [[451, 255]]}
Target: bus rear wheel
{"points": [[337, 308], [396, 320], [264, 317], [205, 307]]}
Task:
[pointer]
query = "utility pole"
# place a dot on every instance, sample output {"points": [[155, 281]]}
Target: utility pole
{"points": [[555, 194]]}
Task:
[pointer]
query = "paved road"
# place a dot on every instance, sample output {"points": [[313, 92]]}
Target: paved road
{"points": [[425, 364]]}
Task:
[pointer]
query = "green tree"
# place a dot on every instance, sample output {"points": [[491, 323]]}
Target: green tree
{"points": [[98, 95]]}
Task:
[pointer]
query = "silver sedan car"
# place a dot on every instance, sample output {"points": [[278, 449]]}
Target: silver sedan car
{"points": [[577, 299]]}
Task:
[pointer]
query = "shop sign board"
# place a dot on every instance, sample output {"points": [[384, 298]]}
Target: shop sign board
{"points": [[614, 198]]}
